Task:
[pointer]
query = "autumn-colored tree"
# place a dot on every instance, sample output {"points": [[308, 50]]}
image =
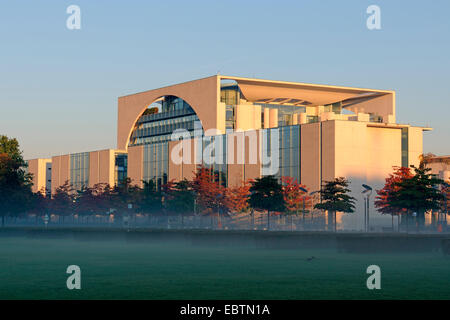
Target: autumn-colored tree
{"points": [[418, 194], [210, 194], [384, 196], [236, 198], [294, 195]]}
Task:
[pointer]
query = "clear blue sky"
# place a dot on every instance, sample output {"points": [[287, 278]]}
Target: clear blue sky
{"points": [[59, 87]]}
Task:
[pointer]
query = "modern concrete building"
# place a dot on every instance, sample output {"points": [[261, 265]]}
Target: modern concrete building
{"points": [[42, 175], [313, 133], [78, 169], [440, 166]]}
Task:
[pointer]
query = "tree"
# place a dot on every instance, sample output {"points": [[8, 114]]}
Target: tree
{"points": [[63, 200], [294, 196], [39, 203], [11, 148], [267, 194], [150, 198], [334, 197], [388, 192], [236, 198], [210, 194], [418, 194], [123, 196], [180, 198], [15, 183]]}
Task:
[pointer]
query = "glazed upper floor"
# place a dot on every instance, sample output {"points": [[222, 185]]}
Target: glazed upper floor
{"points": [[224, 102]]}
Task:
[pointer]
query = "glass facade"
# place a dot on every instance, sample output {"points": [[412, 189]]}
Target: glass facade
{"points": [[121, 168], [232, 96], [217, 159], [79, 170], [156, 162], [285, 112], [405, 160], [288, 150], [154, 131], [158, 127]]}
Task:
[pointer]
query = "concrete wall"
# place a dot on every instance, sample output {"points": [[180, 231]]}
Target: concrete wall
{"points": [[60, 171], [101, 167], [310, 155], [440, 166], [38, 168], [135, 164]]}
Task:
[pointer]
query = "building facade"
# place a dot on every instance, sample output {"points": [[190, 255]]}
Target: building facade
{"points": [[440, 167], [246, 128]]}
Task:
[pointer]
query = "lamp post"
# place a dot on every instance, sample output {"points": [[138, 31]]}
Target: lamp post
{"points": [[366, 192], [127, 222], [303, 211]]}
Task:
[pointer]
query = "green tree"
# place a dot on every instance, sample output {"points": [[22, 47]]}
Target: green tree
{"points": [[180, 198], [63, 201], [266, 193], [15, 182], [150, 198], [11, 148], [334, 197], [39, 203], [124, 195], [418, 194]]}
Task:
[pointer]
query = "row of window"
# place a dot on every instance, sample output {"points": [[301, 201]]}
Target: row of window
{"points": [[79, 170]]}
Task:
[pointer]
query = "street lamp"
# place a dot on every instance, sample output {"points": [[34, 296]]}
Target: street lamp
{"points": [[304, 209], [366, 192]]}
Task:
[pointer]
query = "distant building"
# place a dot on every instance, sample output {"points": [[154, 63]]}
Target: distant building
{"points": [[42, 175], [440, 166]]}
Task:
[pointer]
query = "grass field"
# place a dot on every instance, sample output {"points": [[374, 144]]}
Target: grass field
{"points": [[35, 269]]}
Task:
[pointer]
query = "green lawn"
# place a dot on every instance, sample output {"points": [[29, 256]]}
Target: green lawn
{"points": [[35, 269]]}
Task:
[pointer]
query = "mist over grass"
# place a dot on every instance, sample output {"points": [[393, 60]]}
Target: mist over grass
{"points": [[35, 268]]}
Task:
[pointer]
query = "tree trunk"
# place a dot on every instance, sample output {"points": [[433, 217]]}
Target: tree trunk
{"points": [[335, 222], [330, 220], [420, 219], [3, 221], [268, 220], [407, 222]]}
